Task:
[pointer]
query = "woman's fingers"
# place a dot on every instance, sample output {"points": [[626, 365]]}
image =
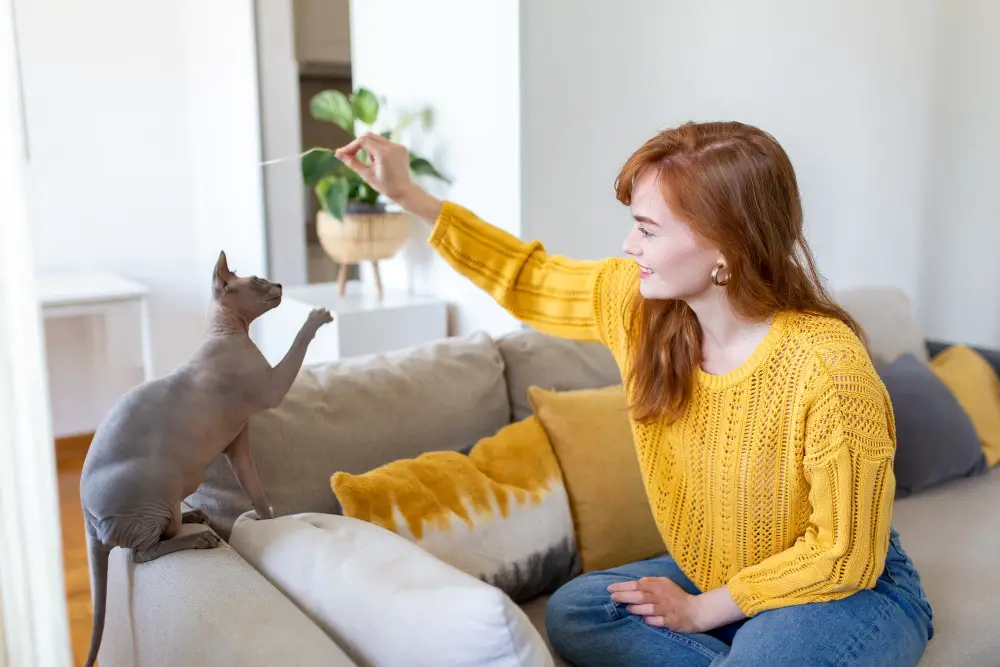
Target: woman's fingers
{"points": [[630, 597], [364, 170], [348, 154], [373, 143], [642, 609], [624, 586], [657, 621]]}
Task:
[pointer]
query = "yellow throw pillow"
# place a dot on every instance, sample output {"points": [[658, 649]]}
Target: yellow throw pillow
{"points": [[500, 514], [977, 389], [592, 437]]}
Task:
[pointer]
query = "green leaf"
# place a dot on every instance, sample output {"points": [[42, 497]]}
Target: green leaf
{"points": [[333, 106], [365, 106], [332, 193], [422, 167], [318, 163], [367, 193]]}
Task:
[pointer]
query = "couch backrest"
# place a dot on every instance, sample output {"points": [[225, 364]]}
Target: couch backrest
{"points": [[887, 317], [533, 358], [358, 414]]}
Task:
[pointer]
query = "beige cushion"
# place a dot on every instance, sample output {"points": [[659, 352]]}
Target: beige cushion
{"points": [[536, 614], [952, 533], [886, 315], [205, 608], [358, 414], [532, 358]]}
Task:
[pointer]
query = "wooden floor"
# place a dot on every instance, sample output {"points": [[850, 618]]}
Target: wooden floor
{"points": [[69, 456]]}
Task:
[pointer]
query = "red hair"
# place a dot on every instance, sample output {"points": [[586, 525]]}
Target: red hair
{"points": [[735, 186]]}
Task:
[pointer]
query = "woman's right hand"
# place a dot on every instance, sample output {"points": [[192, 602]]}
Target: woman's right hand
{"points": [[389, 173]]}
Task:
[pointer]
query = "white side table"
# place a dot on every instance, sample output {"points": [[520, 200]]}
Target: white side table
{"points": [[361, 324], [97, 293]]}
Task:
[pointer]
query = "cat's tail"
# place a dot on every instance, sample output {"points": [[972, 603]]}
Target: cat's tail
{"points": [[98, 554]]}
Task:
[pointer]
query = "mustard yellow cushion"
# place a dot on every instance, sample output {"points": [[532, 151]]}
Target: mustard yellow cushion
{"points": [[500, 514], [976, 387], [591, 435]]}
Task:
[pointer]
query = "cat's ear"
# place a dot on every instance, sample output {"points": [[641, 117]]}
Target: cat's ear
{"points": [[222, 275]]}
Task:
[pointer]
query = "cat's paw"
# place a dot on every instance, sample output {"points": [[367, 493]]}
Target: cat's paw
{"points": [[318, 317], [206, 540]]}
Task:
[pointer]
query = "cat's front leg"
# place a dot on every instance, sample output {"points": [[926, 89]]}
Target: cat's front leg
{"points": [[280, 378], [241, 461]]}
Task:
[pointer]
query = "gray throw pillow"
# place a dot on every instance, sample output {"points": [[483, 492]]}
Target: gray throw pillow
{"points": [[935, 439]]}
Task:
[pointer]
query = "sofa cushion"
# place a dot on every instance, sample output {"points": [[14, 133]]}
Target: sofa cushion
{"points": [[360, 413], [536, 614], [935, 439], [887, 317], [952, 533], [533, 358], [976, 386], [205, 608], [499, 513], [592, 437], [385, 600]]}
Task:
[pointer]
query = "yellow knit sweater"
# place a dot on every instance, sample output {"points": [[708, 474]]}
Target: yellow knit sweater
{"points": [[777, 481]]}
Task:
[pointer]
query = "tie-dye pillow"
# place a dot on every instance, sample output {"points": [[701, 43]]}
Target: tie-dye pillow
{"points": [[499, 513]]}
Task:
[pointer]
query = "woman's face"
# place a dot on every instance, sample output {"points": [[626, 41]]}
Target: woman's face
{"points": [[674, 262]]}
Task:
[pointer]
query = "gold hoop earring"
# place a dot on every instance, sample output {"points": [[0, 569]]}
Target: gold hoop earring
{"points": [[715, 275]]}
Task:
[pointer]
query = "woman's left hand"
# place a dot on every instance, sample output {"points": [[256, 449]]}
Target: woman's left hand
{"points": [[660, 602]]}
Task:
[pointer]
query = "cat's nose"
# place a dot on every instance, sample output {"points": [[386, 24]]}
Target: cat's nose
{"points": [[278, 285]]}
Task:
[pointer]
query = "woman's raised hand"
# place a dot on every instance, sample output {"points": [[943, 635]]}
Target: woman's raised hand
{"points": [[389, 168], [388, 172]]}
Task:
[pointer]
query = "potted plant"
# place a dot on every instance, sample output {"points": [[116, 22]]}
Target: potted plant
{"points": [[353, 223]]}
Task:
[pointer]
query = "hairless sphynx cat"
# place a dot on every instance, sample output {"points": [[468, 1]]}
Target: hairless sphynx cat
{"points": [[152, 449]]}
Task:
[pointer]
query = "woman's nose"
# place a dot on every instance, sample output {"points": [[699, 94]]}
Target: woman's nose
{"points": [[630, 246]]}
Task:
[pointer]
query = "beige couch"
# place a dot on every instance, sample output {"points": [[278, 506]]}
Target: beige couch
{"points": [[211, 608]]}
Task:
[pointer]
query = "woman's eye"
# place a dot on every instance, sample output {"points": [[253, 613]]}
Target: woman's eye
{"points": [[644, 232]]}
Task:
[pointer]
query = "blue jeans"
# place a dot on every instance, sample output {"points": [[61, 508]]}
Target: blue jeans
{"points": [[887, 626]]}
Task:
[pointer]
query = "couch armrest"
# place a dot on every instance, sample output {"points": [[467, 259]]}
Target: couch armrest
{"points": [[937, 346], [205, 608]]}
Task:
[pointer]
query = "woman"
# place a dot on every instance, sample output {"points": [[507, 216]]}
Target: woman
{"points": [[763, 432]]}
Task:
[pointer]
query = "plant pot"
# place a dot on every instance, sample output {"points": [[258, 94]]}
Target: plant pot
{"points": [[362, 236], [367, 234]]}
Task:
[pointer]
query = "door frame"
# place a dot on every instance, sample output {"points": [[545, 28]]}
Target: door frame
{"points": [[33, 614]]}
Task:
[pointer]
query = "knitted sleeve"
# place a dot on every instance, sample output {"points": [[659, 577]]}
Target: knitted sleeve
{"points": [[849, 446], [567, 298]]}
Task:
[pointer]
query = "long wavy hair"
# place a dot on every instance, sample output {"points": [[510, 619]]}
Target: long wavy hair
{"points": [[735, 186]]}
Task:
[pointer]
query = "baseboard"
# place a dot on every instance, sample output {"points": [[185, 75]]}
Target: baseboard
{"points": [[71, 451]]}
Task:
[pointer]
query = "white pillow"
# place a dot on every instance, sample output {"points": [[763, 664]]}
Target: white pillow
{"points": [[384, 600]]}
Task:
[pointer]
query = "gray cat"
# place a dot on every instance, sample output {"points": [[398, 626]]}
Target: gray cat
{"points": [[153, 447]]}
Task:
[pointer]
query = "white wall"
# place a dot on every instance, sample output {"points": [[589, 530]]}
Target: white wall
{"points": [[888, 110], [143, 151], [842, 86], [889, 116], [961, 279], [462, 59]]}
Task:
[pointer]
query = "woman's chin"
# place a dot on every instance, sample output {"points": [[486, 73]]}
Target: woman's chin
{"points": [[650, 290]]}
